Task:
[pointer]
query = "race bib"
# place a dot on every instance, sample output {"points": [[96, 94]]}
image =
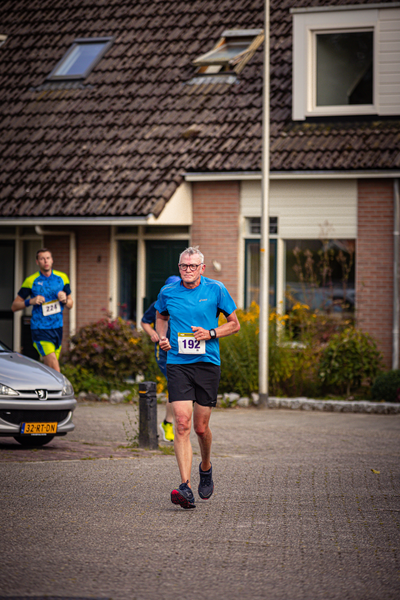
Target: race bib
{"points": [[189, 345], [51, 308]]}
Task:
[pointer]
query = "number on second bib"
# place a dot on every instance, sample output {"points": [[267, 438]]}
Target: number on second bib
{"points": [[51, 308]]}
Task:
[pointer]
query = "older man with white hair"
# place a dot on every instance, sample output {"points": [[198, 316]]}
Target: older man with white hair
{"points": [[191, 307]]}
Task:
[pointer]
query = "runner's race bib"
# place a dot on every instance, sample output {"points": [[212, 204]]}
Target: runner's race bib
{"points": [[189, 345], [51, 308]]}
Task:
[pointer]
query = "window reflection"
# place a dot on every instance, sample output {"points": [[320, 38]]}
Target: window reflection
{"points": [[321, 274]]}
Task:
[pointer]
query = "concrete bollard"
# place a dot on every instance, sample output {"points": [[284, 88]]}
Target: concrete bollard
{"points": [[148, 437]]}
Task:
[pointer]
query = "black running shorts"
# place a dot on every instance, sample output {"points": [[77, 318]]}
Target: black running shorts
{"points": [[197, 382]]}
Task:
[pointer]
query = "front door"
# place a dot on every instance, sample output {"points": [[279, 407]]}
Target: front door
{"points": [[7, 256], [161, 261]]}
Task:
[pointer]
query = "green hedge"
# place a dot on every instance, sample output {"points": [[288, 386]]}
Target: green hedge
{"points": [[387, 386]]}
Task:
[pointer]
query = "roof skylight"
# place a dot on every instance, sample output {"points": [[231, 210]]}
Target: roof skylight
{"points": [[81, 58], [232, 52]]}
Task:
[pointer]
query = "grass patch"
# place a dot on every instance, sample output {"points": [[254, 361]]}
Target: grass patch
{"points": [[167, 450]]}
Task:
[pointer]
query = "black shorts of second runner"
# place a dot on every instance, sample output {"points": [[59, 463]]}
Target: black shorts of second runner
{"points": [[197, 382]]}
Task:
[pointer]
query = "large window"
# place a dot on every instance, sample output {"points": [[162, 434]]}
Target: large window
{"points": [[346, 60], [344, 68], [252, 272], [252, 261], [321, 274]]}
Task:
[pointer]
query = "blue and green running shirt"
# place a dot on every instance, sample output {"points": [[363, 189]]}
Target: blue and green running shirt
{"points": [[40, 285], [198, 307]]}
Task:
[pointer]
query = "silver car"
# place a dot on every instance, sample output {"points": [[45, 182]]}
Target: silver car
{"points": [[36, 402]]}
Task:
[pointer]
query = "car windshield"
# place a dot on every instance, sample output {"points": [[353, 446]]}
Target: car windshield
{"points": [[4, 348]]}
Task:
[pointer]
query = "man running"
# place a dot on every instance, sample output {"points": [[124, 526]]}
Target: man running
{"points": [[148, 320], [49, 293], [191, 307]]}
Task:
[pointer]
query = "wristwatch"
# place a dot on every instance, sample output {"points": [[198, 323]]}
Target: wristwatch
{"points": [[213, 334]]}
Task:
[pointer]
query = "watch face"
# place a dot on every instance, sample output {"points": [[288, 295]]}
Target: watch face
{"points": [[213, 334]]}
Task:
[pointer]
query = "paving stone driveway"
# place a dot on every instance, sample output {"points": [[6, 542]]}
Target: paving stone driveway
{"points": [[306, 506]]}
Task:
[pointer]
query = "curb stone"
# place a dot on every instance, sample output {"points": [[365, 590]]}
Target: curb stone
{"points": [[382, 408], [301, 403]]}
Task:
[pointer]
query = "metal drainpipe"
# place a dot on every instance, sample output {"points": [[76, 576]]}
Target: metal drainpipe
{"points": [[72, 269], [396, 276]]}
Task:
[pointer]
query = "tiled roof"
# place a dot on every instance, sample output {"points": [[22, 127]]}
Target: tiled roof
{"points": [[118, 143]]}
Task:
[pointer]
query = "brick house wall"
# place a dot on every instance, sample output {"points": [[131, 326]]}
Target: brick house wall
{"points": [[92, 272], [215, 229], [93, 258], [374, 262]]}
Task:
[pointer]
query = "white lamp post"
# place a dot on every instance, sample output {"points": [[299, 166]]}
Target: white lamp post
{"points": [[264, 248]]}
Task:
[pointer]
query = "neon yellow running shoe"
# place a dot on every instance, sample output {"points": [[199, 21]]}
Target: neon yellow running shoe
{"points": [[167, 431]]}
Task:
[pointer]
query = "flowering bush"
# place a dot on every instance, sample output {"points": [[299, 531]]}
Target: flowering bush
{"points": [[111, 348], [239, 355], [301, 344]]}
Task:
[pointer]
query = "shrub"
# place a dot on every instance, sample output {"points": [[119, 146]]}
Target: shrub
{"points": [[292, 365], [84, 380], [111, 348], [307, 353], [387, 386], [239, 355], [349, 359], [152, 371]]}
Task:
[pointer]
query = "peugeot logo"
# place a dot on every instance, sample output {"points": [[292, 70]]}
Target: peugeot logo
{"points": [[42, 394]]}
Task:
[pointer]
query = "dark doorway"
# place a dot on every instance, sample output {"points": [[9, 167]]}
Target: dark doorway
{"points": [[127, 280], [7, 256], [161, 261]]}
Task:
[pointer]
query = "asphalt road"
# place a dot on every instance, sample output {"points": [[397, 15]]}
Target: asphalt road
{"points": [[306, 506]]}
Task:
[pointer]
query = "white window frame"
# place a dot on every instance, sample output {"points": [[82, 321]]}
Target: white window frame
{"points": [[348, 109], [306, 26]]}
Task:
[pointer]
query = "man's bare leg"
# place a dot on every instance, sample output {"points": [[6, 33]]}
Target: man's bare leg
{"points": [[50, 360], [201, 420], [183, 448]]}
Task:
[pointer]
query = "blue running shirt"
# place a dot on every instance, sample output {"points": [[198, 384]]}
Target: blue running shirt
{"points": [[198, 307], [40, 285]]}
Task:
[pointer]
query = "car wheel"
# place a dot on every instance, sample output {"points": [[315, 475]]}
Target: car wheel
{"points": [[33, 441]]}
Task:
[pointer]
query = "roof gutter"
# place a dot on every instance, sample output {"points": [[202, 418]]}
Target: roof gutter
{"points": [[70, 221], [312, 9], [256, 175]]}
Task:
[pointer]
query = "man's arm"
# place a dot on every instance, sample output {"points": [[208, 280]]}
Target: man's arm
{"points": [[152, 333], [231, 326], [19, 303], [66, 300], [162, 328]]}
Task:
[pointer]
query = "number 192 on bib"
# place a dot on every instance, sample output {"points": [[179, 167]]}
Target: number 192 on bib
{"points": [[189, 345]]}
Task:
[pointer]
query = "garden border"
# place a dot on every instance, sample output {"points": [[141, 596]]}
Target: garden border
{"points": [[358, 406]]}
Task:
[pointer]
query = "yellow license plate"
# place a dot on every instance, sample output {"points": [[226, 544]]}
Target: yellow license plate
{"points": [[38, 428]]}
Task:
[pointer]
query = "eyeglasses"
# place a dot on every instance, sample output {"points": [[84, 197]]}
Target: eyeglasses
{"points": [[190, 267]]}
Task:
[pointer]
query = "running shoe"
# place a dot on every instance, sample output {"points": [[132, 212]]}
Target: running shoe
{"points": [[183, 496], [167, 431], [206, 485]]}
